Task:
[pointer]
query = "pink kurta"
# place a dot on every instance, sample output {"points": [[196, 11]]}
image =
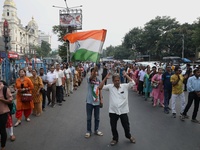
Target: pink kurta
{"points": [[158, 92]]}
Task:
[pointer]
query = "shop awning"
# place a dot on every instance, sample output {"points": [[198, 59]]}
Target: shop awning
{"points": [[12, 54]]}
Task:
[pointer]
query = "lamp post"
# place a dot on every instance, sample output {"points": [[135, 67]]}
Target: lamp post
{"points": [[70, 20], [6, 63], [183, 43]]}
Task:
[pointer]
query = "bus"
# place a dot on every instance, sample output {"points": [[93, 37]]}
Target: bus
{"points": [[173, 60]]}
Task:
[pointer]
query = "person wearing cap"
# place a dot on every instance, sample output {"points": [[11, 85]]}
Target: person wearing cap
{"points": [[193, 87], [167, 88], [177, 90]]}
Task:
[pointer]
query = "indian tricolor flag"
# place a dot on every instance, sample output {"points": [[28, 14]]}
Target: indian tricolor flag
{"points": [[86, 45]]}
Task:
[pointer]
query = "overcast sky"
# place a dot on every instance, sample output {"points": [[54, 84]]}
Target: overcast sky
{"points": [[117, 16]]}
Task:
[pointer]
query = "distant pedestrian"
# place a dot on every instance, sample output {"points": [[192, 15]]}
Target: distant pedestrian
{"points": [[193, 87], [157, 92], [118, 105], [51, 86], [36, 94], [167, 88], [177, 90]]}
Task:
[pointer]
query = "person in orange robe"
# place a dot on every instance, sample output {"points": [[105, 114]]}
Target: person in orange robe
{"points": [[22, 84]]}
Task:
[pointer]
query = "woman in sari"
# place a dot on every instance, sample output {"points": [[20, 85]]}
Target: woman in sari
{"points": [[37, 95], [147, 84], [23, 84]]}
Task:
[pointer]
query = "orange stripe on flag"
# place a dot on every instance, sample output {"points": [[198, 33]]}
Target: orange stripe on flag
{"points": [[93, 34]]}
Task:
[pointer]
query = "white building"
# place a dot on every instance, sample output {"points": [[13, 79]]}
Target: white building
{"points": [[43, 37], [22, 38]]}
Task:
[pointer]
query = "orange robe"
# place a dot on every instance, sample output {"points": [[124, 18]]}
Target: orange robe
{"points": [[27, 84]]}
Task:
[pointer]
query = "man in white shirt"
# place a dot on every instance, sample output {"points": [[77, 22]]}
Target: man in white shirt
{"points": [[59, 84], [29, 71], [141, 75], [68, 76], [118, 105], [72, 75], [51, 86]]}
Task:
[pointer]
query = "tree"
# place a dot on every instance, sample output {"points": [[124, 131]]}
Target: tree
{"points": [[44, 50]]}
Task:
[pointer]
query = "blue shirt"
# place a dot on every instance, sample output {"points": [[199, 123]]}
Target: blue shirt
{"points": [[166, 80], [193, 84]]}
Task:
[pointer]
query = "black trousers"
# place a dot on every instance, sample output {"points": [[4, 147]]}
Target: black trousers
{"points": [[192, 96], [3, 121], [125, 123], [44, 94]]}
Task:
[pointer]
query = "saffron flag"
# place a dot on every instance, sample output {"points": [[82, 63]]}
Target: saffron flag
{"points": [[86, 45]]}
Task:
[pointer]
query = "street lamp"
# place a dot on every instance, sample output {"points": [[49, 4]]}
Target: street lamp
{"points": [[6, 63]]}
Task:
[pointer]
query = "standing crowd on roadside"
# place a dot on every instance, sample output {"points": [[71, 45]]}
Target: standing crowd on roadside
{"points": [[35, 90], [160, 85]]}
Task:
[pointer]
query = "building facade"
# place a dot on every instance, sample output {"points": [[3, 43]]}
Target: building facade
{"points": [[22, 38], [43, 37]]}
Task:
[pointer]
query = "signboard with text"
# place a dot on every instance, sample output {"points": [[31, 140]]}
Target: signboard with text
{"points": [[73, 20]]}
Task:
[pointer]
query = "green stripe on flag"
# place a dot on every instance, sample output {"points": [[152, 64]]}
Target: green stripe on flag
{"points": [[85, 55]]}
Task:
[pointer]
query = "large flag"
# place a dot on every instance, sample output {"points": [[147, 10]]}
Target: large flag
{"points": [[86, 45]]}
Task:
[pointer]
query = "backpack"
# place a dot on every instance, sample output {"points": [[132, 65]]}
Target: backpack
{"points": [[11, 106]]}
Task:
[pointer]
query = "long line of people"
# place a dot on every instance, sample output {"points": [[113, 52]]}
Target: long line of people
{"points": [[60, 79]]}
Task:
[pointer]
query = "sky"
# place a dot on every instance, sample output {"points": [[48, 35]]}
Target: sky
{"points": [[116, 16]]}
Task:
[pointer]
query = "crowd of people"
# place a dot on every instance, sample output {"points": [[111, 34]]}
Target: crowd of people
{"points": [[164, 84], [36, 90]]}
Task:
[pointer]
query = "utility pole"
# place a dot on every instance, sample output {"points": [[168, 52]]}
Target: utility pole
{"points": [[183, 47], [70, 20], [6, 63]]}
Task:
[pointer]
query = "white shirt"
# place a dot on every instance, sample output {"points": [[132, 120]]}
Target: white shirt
{"points": [[118, 98], [141, 75], [60, 76], [29, 74], [51, 77], [67, 73]]}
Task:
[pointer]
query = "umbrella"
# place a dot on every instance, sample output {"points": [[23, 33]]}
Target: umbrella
{"points": [[185, 60]]}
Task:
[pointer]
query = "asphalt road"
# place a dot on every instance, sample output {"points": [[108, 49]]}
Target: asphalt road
{"points": [[64, 127]]}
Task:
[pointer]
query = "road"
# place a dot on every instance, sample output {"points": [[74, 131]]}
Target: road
{"points": [[64, 127]]}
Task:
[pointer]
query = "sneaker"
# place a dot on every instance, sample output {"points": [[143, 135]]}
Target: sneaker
{"points": [[132, 140], [182, 117], [173, 115], [60, 104], [166, 111], [49, 103], [53, 105], [195, 121], [113, 142], [185, 116], [28, 119]]}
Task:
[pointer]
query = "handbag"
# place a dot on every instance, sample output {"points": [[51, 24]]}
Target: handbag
{"points": [[26, 97], [154, 85]]}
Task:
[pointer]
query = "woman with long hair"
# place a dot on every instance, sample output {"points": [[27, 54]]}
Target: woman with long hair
{"points": [[23, 84], [4, 110], [37, 95]]}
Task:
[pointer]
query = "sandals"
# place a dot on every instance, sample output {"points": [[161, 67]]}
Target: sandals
{"points": [[99, 133], [87, 135], [17, 123]]}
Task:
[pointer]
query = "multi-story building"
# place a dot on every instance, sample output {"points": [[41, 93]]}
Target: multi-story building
{"points": [[43, 37], [22, 38]]}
